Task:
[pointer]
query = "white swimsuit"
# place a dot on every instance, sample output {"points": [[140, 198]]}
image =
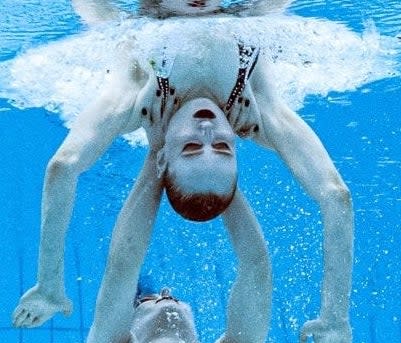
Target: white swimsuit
{"points": [[247, 56]]}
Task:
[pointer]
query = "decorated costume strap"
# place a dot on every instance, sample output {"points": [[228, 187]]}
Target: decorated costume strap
{"points": [[164, 87], [163, 71], [248, 56]]}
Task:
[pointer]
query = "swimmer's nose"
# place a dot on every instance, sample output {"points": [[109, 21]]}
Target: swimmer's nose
{"points": [[165, 292], [204, 114], [206, 128], [206, 125]]}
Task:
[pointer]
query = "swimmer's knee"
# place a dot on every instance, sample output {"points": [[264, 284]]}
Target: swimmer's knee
{"points": [[337, 191], [63, 164]]}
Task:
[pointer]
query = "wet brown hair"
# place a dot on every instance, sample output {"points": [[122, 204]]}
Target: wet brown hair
{"points": [[197, 207]]}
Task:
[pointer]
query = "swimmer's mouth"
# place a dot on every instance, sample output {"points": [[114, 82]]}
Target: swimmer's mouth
{"points": [[204, 114]]}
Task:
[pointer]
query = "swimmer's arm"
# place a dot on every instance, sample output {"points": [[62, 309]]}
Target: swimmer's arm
{"points": [[105, 118], [129, 244], [302, 151], [249, 305], [131, 235]]}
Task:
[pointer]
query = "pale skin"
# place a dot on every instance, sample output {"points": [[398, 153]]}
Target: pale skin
{"points": [[116, 112], [129, 245], [250, 280]]}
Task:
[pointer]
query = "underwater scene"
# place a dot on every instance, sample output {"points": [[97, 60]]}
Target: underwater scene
{"points": [[337, 63]]}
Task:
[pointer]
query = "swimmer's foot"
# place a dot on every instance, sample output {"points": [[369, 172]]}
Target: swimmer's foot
{"points": [[36, 307]]}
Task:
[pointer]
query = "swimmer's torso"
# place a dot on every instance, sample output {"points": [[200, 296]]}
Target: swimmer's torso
{"points": [[200, 58]]}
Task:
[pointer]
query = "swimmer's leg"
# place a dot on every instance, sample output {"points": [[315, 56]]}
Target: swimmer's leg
{"points": [[302, 151]]}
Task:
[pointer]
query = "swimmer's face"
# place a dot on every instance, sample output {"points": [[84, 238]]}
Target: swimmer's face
{"points": [[190, 7], [163, 320], [200, 149]]}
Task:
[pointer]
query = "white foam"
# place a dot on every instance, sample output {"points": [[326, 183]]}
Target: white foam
{"points": [[310, 56]]}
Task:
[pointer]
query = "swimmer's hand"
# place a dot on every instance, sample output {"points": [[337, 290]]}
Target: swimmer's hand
{"points": [[36, 307], [241, 120], [156, 113], [326, 331]]}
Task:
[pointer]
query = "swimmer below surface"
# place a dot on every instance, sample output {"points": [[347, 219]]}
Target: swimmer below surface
{"points": [[161, 318]]}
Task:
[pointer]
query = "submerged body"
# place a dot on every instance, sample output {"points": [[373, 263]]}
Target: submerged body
{"points": [[208, 67]]}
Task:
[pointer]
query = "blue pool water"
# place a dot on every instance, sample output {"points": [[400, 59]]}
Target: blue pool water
{"points": [[50, 63]]}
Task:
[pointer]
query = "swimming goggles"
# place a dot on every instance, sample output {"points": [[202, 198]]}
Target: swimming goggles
{"points": [[165, 294]]}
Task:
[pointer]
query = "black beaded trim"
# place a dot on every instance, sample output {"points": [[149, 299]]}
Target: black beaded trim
{"points": [[248, 56], [164, 86], [162, 74]]}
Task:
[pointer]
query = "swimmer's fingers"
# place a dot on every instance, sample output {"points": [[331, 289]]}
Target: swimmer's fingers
{"points": [[155, 117], [248, 131], [145, 102], [240, 119], [36, 307], [235, 113], [168, 104], [243, 119]]}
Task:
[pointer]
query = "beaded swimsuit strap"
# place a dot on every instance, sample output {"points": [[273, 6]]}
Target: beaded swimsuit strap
{"points": [[163, 71], [248, 56]]}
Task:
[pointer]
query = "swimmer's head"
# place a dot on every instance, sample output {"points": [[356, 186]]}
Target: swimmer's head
{"points": [[198, 161], [160, 318]]}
